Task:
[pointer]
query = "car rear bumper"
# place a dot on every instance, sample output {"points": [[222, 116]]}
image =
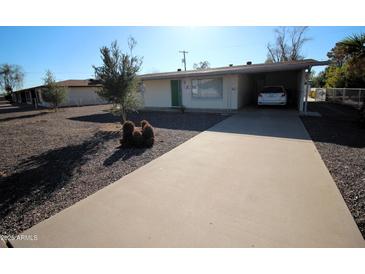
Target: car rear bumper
{"points": [[271, 103]]}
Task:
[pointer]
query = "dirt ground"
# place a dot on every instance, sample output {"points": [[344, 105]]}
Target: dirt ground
{"points": [[341, 142], [51, 160]]}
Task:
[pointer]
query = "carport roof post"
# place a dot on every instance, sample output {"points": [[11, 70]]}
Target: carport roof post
{"points": [[305, 83], [254, 68], [307, 87]]}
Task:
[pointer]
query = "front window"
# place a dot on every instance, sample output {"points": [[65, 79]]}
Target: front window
{"points": [[207, 88]]}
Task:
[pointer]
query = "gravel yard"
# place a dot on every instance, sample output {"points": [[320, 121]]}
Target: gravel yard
{"points": [[341, 143], [50, 161]]}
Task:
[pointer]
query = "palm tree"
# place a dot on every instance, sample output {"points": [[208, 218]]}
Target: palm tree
{"points": [[354, 45], [354, 50]]}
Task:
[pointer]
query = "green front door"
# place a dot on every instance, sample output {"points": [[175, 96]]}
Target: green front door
{"points": [[175, 93]]}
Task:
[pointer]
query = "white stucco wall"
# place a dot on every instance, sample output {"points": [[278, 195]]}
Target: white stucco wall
{"points": [[79, 96], [238, 90], [157, 93]]}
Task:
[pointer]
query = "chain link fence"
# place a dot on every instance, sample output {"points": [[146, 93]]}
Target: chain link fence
{"points": [[354, 97]]}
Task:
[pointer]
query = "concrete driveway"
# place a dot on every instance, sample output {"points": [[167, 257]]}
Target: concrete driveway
{"points": [[253, 180]]}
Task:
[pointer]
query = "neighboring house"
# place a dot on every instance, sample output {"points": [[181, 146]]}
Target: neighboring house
{"points": [[79, 93], [225, 88]]}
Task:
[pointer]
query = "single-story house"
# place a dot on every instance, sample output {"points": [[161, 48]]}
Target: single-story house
{"points": [[79, 93], [215, 89], [226, 88]]}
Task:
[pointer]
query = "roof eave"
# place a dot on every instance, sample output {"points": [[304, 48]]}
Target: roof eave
{"points": [[237, 70], [72, 86]]}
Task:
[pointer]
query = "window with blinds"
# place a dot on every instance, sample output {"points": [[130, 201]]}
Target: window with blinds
{"points": [[207, 88]]}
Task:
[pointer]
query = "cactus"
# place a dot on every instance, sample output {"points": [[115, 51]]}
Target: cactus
{"points": [[128, 129], [148, 134], [137, 138], [143, 123], [133, 136], [149, 142]]}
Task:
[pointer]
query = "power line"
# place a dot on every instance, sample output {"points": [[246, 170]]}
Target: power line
{"points": [[184, 59]]}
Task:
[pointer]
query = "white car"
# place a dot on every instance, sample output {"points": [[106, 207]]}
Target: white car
{"points": [[272, 95]]}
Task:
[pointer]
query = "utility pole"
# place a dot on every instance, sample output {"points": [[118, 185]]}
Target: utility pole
{"points": [[184, 59]]}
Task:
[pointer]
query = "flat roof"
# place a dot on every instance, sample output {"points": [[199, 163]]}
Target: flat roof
{"points": [[254, 68], [71, 83]]}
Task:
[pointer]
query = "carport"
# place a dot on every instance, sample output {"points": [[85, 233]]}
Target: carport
{"points": [[292, 80]]}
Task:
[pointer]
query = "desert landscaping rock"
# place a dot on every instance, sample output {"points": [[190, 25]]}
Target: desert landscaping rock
{"points": [[341, 143], [51, 160]]}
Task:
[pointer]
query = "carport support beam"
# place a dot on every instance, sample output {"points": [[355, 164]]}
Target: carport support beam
{"points": [[307, 87]]}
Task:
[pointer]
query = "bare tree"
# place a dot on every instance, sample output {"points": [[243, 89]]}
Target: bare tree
{"points": [[288, 45], [201, 65], [11, 77]]}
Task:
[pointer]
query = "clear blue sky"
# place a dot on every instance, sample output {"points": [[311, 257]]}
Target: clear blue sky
{"points": [[70, 52]]}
